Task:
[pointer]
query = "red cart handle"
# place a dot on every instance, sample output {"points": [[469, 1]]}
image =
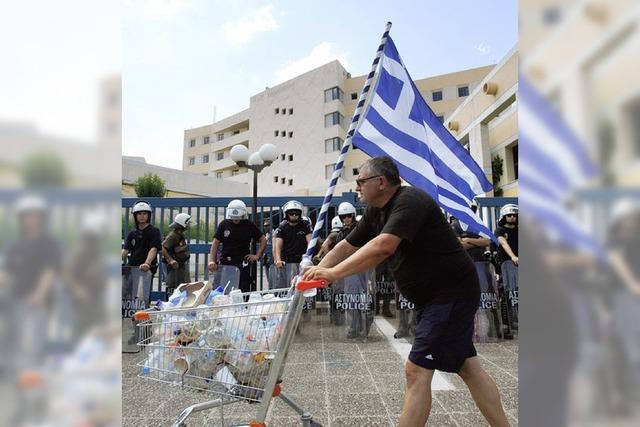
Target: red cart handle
{"points": [[141, 315], [310, 284]]}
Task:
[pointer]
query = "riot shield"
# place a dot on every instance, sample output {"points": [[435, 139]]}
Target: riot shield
{"points": [[352, 306], [385, 292], [136, 289], [282, 276], [227, 276], [510, 294], [488, 324], [406, 313]]}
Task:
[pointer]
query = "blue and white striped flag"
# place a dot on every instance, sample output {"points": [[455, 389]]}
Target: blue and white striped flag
{"points": [[554, 163], [399, 124]]}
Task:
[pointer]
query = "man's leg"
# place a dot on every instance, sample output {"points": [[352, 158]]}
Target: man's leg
{"points": [[484, 392], [417, 396]]}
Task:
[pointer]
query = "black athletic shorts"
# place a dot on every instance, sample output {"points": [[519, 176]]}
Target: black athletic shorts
{"points": [[444, 335]]}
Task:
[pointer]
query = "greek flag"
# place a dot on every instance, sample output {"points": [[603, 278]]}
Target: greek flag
{"points": [[555, 162], [399, 124]]}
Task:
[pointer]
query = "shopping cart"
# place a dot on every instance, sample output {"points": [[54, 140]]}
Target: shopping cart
{"points": [[235, 349]]}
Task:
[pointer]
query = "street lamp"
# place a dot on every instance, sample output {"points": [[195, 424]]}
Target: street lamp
{"points": [[256, 162]]}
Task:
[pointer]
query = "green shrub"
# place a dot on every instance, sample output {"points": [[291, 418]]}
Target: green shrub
{"points": [[150, 185], [44, 169]]}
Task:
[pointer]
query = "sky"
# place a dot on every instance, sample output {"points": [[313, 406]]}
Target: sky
{"points": [[183, 58], [54, 55]]}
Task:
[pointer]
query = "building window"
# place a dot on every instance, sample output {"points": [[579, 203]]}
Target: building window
{"points": [[206, 140], [333, 119], [277, 111], [220, 155], [514, 155], [436, 95], [192, 143], [283, 156], [275, 179], [333, 144], [290, 134], [235, 172], [284, 111], [235, 132], [290, 182], [355, 171], [551, 15], [463, 91], [220, 136], [290, 111], [354, 96], [328, 170], [205, 158], [333, 94], [283, 133], [440, 118], [282, 180], [218, 175], [192, 161], [276, 132], [291, 157]]}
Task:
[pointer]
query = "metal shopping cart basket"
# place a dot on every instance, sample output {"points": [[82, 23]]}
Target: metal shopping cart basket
{"points": [[235, 349]]}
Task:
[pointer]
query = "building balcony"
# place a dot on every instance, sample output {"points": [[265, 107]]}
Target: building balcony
{"points": [[225, 163], [230, 141]]}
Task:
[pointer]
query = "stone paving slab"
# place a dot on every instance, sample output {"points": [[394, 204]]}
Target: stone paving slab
{"points": [[342, 382]]}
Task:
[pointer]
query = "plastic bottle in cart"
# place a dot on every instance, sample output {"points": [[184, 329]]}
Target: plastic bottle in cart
{"points": [[236, 296], [217, 291]]}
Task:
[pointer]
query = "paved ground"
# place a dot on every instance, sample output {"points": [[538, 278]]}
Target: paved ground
{"points": [[341, 382]]}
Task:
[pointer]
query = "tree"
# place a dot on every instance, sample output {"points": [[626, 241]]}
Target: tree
{"points": [[150, 185], [497, 169], [44, 169]]}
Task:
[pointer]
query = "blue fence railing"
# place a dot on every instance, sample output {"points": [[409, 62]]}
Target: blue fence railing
{"points": [[208, 212]]}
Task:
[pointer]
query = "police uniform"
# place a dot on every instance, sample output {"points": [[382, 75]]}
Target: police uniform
{"points": [[139, 243], [178, 249], [236, 242]]}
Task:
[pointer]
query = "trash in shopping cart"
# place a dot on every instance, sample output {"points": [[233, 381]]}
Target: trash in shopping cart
{"points": [[235, 349]]}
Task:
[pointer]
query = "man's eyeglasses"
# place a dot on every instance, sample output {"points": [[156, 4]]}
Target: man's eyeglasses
{"points": [[511, 215], [361, 181], [345, 216], [293, 213]]}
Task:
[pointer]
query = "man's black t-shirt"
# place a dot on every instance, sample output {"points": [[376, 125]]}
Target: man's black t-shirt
{"points": [[511, 234], [27, 259], [236, 240], [294, 238], [139, 243], [430, 265]]}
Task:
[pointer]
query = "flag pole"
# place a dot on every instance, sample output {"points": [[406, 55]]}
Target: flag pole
{"points": [[306, 259]]}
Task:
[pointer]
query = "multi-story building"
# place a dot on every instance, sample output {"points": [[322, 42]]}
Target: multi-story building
{"points": [[582, 56], [307, 118], [486, 123]]}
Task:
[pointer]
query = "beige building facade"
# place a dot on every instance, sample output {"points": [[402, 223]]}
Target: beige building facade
{"points": [[177, 182], [486, 123], [585, 64], [307, 119]]}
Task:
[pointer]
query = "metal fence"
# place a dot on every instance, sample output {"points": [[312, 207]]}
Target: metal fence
{"points": [[208, 212]]}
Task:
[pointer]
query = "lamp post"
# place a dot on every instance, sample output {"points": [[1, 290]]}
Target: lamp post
{"points": [[256, 162]]}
